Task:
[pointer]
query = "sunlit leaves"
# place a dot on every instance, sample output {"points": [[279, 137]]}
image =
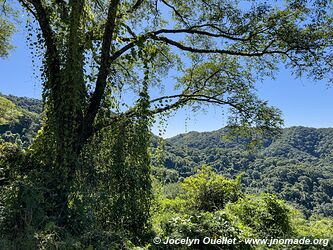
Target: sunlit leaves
{"points": [[8, 111], [208, 191], [7, 29]]}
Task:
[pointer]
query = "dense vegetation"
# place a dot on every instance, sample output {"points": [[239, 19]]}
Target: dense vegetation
{"points": [[296, 165], [85, 180], [207, 204], [7, 29], [192, 200], [20, 119]]}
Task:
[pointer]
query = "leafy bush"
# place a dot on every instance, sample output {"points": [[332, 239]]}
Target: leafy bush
{"points": [[208, 191], [199, 225], [209, 205], [265, 214]]}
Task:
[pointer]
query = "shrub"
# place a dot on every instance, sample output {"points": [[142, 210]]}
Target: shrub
{"points": [[209, 191]]}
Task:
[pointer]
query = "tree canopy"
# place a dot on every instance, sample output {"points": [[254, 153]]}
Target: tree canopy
{"points": [[6, 29], [220, 48]]}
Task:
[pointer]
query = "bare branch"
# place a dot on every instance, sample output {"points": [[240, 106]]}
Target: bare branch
{"points": [[193, 30], [183, 100], [176, 12], [215, 51]]}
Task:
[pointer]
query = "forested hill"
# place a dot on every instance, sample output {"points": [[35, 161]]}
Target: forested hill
{"points": [[29, 104], [298, 165], [295, 143], [19, 119]]}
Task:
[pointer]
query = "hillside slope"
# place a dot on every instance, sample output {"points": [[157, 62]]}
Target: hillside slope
{"points": [[297, 166], [19, 119]]}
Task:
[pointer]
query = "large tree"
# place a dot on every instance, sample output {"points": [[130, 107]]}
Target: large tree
{"points": [[96, 53], [95, 48]]}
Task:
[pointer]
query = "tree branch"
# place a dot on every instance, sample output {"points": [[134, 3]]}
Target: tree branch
{"points": [[215, 51], [29, 9], [103, 70], [121, 51], [193, 30], [135, 6], [183, 100], [176, 12]]}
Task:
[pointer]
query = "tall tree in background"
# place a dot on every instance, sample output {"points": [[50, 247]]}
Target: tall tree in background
{"points": [[96, 53]]}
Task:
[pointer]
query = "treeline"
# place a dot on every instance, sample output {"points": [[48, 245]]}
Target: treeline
{"points": [[30, 104]]}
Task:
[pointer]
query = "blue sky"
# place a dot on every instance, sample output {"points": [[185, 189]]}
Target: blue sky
{"points": [[302, 101]]}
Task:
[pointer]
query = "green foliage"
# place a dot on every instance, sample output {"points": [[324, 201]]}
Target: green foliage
{"points": [[87, 175], [208, 191], [101, 210], [165, 175], [316, 226], [266, 215], [8, 111], [204, 203], [29, 104], [10, 155], [117, 183], [189, 215], [7, 29], [250, 216], [20, 213], [295, 165], [17, 124], [198, 225]]}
